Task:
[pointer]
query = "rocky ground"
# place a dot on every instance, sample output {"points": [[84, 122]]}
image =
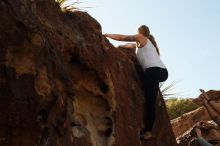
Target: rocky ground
{"points": [[183, 126]]}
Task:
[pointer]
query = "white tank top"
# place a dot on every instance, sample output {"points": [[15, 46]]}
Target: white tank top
{"points": [[148, 56]]}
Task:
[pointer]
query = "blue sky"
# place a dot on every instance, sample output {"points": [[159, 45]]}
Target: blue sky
{"points": [[187, 32]]}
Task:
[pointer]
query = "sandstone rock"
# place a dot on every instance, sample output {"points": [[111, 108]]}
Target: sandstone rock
{"points": [[63, 84], [208, 131], [213, 94], [182, 124]]}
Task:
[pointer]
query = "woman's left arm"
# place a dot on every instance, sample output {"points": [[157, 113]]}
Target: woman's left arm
{"points": [[119, 37], [128, 46]]}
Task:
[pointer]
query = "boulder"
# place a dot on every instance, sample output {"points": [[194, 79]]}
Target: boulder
{"points": [[63, 84], [182, 124]]}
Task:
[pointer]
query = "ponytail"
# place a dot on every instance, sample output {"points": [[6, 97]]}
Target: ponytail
{"points": [[144, 30], [151, 38]]}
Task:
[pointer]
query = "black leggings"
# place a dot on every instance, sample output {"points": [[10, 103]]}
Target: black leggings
{"points": [[152, 77]]}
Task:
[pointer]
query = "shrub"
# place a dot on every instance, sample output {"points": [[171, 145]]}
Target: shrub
{"points": [[177, 107]]}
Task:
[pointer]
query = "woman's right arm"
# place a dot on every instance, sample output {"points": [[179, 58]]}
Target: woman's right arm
{"points": [[119, 37]]}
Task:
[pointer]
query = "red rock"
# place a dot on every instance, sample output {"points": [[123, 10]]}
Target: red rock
{"points": [[188, 120], [213, 94], [62, 83]]}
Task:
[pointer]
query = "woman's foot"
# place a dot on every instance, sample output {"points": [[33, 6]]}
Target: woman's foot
{"points": [[146, 135]]}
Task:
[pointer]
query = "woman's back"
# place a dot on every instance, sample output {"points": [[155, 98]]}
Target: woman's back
{"points": [[148, 56]]}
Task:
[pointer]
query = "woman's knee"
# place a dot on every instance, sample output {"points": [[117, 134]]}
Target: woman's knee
{"points": [[163, 75]]}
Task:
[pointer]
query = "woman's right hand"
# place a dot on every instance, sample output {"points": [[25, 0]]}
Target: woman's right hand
{"points": [[106, 35]]}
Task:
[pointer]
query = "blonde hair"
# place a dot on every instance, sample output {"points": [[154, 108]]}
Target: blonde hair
{"points": [[144, 30]]}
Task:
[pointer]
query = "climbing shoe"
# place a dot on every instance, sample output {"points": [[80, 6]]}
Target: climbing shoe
{"points": [[145, 136]]}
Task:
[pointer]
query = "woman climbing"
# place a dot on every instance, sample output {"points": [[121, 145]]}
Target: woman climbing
{"points": [[148, 55]]}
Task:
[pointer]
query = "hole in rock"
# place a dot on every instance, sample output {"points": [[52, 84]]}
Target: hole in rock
{"points": [[108, 132], [21, 32], [73, 124], [74, 60], [42, 116], [20, 25], [103, 87]]}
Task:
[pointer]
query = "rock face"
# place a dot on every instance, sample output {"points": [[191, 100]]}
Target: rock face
{"points": [[213, 94], [188, 120], [208, 130], [63, 84], [182, 124]]}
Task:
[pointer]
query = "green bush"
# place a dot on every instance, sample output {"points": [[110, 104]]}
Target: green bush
{"points": [[177, 107]]}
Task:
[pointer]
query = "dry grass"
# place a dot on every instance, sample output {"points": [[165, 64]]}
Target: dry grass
{"points": [[71, 5]]}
